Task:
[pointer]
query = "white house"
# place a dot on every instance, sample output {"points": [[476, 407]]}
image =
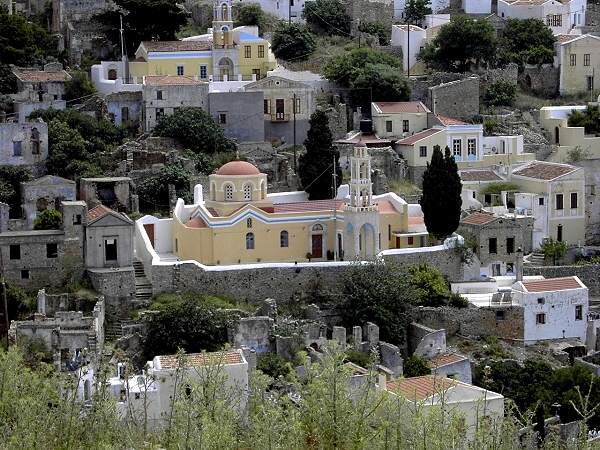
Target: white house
{"points": [[283, 9], [477, 6], [560, 16]]}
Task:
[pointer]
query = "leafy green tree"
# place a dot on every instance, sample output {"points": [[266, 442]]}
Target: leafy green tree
{"points": [[315, 167], [553, 250], [378, 292], [8, 81], [500, 93], [153, 191], [589, 119], [11, 178], [48, 219], [195, 129], [293, 42], [526, 41], [144, 20], [327, 17], [273, 365], [345, 68], [78, 86], [429, 285], [441, 200], [416, 366], [252, 14], [459, 44], [416, 10], [379, 29]]}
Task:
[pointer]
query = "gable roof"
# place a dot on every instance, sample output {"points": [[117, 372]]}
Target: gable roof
{"points": [[445, 359], [552, 284], [48, 179], [411, 140], [222, 358], [564, 39], [420, 388], [478, 218], [176, 46], [100, 211], [479, 175], [40, 76], [275, 79], [544, 170], [400, 107], [446, 121]]}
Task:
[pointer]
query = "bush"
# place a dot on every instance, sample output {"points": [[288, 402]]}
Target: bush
{"points": [[378, 29], [359, 358], [153, 190], [429, 285], [11, 178], [78, 86], [273, 365], [500, 93], [416, 366], [49, 219], [458, 301], [292, 42], [327, 17], [490, 126], [589, 119], [553, 250]]}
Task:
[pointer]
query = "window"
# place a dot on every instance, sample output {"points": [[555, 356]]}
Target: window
{"points": [[405, 126], [180, 70], [51, 250], [247, 51], [267, 106], [297, 105], [110, 249], [541, 301], [573, 200], [540, 319], [283, 239], [456, 147], [423, 151], [203, 72], [389, 232], [159, 95], [77, 219], [510, 268], [554, 20], [160, 112], [559, 202], [541, 201], [410, 240], [35, 141], [247, 192], [257, 73], [228, 192], [510, 245], [590, 82], [586, 59], [500, 314], [492, 245], [15, 251], [25, 274], [222, 118], [17, 149], [388, 126], [472, 146], [573, 59], [249, 223], [250, 241], [261, 51], [578, 312], [124, 114]]}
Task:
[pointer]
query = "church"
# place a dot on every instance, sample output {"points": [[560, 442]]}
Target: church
{"points": [[239, 222]]}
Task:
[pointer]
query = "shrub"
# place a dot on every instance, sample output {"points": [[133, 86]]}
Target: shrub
{"points": [[359, 358], [500, 93], [327, 17], [49, 219], [553, 250], [416, 366], [273, 365], [378, 29], [292, 42], [458, 301]]}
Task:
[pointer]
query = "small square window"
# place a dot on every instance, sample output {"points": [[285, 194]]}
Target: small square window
{"points": [[540, 319], [17, 148], [52, 250], [541, 301], [500, 314], [541, 201], [578, 312], [410, 240], [423, 151], [15, 251], [222, 118], [179, 70], [159, 95], [77, 219], [388, 126], [405, 126], [24, 274]]}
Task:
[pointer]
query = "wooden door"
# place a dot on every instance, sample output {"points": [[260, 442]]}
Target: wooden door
{"points": [[149, 227], [317, 245]]}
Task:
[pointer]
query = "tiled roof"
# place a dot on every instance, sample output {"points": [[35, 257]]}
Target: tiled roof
{"points": [[41, 76], [411, 140], [544, 170], [552, 284], [479, 175], [478, 218], [365, 138], [201, 359], [196, 222], [97, 212], [176, 46], [444, 120], [170, 80], [385, 207], [444, 360], [420, 388], [526, 2], [311, 205], [402, 107]]}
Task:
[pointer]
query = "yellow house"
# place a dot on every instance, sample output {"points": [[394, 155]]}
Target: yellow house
{"points": [[227, 54], [578, 58], [398, 119], [239, 222]]}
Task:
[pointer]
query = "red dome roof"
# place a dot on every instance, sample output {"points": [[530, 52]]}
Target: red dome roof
{"points": [[238, 168]]}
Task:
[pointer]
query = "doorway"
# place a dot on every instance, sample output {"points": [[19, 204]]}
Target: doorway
{"points": [[279, 109], [559, 233], [149, 227], [317, 246]]}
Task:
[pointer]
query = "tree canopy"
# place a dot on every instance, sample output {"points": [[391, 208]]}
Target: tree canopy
{"points": [[78, 86], [48, 219], [253, 14], [589, 119], [416, 10], [441, 200], [292, 41], [500, 93], [526, 41], [315, 167], [327, 17], [144, 20], [460, 43], [379, 29], [153, 191], [11, 178]]}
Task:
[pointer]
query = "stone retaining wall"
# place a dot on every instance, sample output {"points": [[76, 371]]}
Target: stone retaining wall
{"points": [[589, 274]]}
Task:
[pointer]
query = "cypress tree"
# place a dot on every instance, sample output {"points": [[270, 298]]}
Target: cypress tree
{"points": [[441, 201], [316, 165]]}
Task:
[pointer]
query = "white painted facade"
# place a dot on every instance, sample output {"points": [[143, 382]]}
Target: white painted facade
{"points": [[400, 38], [477, 6], [529, 204], [561, 17], [283, 9]]}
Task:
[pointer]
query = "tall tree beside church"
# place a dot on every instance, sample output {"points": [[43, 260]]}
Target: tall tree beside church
{"points": [[315, 167], [441, 199]]}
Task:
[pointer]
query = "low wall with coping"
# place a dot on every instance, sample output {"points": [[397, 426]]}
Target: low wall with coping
{"points": [[588, 274]]}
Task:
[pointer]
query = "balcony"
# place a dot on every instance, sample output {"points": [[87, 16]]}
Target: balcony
{"points": [[280, 117]]}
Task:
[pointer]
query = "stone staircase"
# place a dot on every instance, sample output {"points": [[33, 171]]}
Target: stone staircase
{"points": [[536, 259], [143, 287], [114, 328]]}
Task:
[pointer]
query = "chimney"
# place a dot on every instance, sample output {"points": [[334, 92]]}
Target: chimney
{"points": [[519, 265]]}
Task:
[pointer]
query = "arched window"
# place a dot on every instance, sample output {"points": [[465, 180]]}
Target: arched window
{"points": [[228, 192], [213, 191], [250, 241], [112, 74], [317, 227], [283, 239], [224, 14], [263, 190], [248, 223], [248, 191]]}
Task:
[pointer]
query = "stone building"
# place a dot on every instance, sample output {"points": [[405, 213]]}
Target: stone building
{"points": [[125, 108], [239, 114], [164, 94], [40, 258], [577, 58], [113, 192], [108, 238], [44, 193], [24, 144]]}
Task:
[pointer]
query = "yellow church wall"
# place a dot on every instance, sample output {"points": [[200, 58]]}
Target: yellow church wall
{"points": [[192, 243], [191, 66], [247, 65]]}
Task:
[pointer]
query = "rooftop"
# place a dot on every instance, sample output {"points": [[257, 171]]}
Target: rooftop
{"points": [[97, 212], [40, 76], [200, 359], [411, 140], [478, 218], [445, 359], [420, 388], [446, 121], [238, 168], [401, 107], [171, 80], [544, 170], [479, 175], [552, 284], [311, 205], [176, 46]]}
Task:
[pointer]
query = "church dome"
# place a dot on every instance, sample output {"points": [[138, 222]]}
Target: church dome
{"points": [[238, 168]]}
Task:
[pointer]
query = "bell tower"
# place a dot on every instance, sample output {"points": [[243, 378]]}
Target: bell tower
{"points": [[360, 213], [222, 24]]}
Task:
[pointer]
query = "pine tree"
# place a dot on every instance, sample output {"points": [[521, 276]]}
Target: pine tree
{"points": [[316, 165], [441, 200]]}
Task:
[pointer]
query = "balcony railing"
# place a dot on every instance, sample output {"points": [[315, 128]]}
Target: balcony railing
{"points": [[280, 117]]}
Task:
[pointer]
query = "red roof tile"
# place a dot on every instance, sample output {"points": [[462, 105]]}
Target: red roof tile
{"points": [[478, 218], [201, 359], [171, 80], [449, 121], [176, 46], [97, 212], [411, 140], [385, 207], [369, 139], [41, 76], [479, 175], [445, 359], [311, 205], [420, 388], [544, 170], [402, 107], [552, 284]]}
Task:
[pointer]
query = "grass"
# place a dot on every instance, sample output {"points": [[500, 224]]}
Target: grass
{"points": [[525, 100], [404, 188], [163, 300], [327, 48]]}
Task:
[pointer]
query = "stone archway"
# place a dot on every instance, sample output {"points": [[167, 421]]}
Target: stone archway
{"points": [[226, 67], [367, 241]]}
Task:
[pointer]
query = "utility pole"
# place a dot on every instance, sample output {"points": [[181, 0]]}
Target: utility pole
{"points": [[290, 12], [5, 303], [408, 49], [295, 153], [123, 54], [335, 236]]}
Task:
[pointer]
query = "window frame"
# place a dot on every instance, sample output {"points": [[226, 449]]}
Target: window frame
{"points": [[578, 312], [586, 59], [180, 68], [405, 125], [423, 151], [16, 248], [261, 51], [560, 205], [495, 246], [51, 252], [457, 147], [573, 200], [228, 191], [572, 59], [203, 70], [540, 319], [284, 239], [247, 51], [389, 126], [250, 242]]}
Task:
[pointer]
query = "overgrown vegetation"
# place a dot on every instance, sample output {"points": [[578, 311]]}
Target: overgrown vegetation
{"points": [[79, 87], [327, 17], [589, 119], [292, 42], [11, 178], [48, 219], [378, 29], [498, 187], [553, 249], [526, 41], [500, 93], [416, 366], [153, 191]]}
